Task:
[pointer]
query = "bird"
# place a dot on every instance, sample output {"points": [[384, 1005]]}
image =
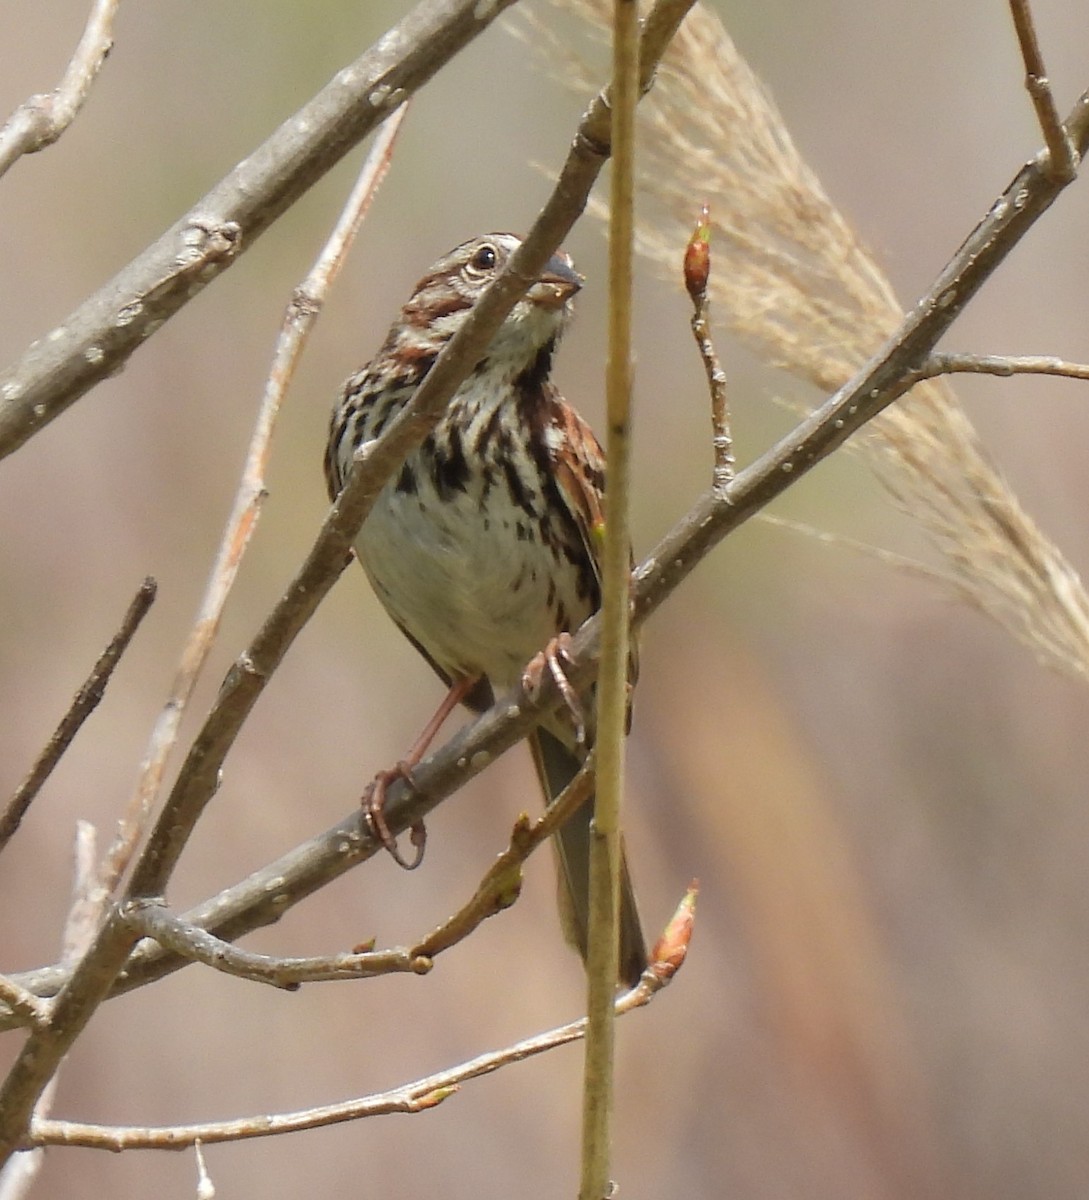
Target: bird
{"points": [[485, 546]]}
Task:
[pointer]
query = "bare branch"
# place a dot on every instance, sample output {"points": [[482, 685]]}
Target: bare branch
{"points": [[409, 1098], [40, 121], [96, 340], [302, 312], [697, 273], [498, 889], [85, 702], [83, 910], [153, 919], [205, 1187], [999, 364], [18, 1174], [1062, 164], [799, 286], [886, 377], [28, 1008], [502, 883], [259, 901]]}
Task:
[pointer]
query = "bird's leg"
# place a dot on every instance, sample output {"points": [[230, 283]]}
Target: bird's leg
{"points": [[374, 798], [559, 648]]}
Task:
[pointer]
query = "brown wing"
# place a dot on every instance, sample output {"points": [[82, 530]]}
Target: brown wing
{"points": [[579, 468]]}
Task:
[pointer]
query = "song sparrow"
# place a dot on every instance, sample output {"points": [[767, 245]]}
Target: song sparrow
{"points": [[484, 548]]}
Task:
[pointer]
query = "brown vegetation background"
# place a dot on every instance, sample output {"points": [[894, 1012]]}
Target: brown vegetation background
{"points": [[882, 795]]}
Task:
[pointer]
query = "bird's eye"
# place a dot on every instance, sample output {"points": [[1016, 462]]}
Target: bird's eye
{"points": [[483, 259]]}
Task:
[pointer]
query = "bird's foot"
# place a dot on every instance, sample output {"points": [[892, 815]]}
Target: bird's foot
{"points": [[374, 803], [553, 657]]}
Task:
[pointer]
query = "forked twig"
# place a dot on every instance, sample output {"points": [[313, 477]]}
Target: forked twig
{"points": [[95, 340], [39, 121], [30, 1009], [1062, 164], [85, 702], [155, 920], [409, 1098]]}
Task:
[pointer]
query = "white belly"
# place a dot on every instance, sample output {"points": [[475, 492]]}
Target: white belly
{"points": [[479, 598]]}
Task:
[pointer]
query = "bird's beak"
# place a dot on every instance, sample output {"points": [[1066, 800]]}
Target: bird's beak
{"points": [[557, 283]]}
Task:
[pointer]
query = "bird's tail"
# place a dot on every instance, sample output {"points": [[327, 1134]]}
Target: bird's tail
{"points": [[557, 766]]}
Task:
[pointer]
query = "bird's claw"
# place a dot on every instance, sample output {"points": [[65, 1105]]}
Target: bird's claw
{"points": [[559, 648], [374, 803]]}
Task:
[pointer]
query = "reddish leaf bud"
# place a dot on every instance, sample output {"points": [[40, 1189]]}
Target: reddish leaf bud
{"points": [[671, 948], [697, 257]]}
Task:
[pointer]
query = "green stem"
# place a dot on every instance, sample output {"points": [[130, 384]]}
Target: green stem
{"points": [[612, 690]]}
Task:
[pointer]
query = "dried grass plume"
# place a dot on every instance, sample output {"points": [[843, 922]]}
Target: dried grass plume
{"points": [[794, 281]]}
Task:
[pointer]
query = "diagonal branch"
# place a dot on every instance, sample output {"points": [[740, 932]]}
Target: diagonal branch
{"points": [[95, 341], [302, 311], [85, 702]]}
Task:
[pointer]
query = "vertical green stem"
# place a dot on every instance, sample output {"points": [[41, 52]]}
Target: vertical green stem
{"points": [[612, 698]]}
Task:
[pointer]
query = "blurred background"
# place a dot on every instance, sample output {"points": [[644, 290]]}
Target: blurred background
{"points": [[882, 795]]}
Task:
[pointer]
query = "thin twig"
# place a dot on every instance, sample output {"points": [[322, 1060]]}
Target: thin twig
{"points": [[941, 363], [19, 1173], [39, 121], [155, 920], [612, 688], [25, 1005], [302, 312], [83, 913], [697, 273], [96, 339], [84, 703], [1062, 163], [205, 1187], [347, 846], [502, 883], [409, 1098]]}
